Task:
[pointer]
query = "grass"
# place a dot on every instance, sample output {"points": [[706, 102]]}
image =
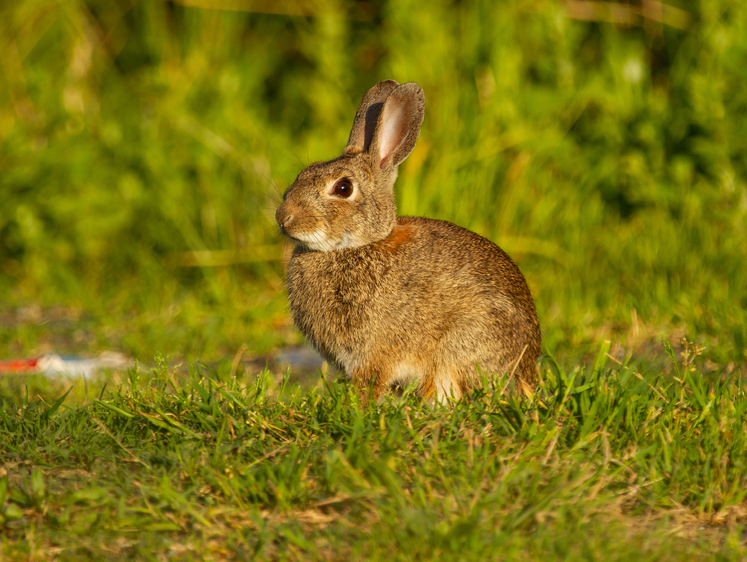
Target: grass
{"points": [[602, 463]]}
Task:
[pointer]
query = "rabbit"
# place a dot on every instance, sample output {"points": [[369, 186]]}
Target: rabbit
{"points": [[397, 301]]}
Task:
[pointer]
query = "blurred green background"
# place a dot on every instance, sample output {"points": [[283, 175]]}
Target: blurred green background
{"points": [[144, 146]]}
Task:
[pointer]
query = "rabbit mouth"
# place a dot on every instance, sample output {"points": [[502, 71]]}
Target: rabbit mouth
{"points": [[313, 240], [318, 240]]}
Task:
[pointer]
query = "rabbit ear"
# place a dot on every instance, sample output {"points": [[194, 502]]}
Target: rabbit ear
{"points": [[367, 116], [398, 125]]}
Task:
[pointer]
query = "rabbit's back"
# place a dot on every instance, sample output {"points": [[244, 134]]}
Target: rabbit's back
{"points": [[426, 303]]}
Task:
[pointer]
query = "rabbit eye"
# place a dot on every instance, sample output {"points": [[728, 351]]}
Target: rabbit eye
{"points": [[343, 188]]}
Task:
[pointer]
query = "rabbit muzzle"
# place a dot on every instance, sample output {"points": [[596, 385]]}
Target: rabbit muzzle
{"points": [[302, 227], [283, 218]]}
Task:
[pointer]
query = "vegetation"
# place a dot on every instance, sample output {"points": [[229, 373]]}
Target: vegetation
{"points": [[143, 149], [602, 464]]}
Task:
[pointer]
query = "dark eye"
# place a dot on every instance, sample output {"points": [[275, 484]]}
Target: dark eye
{"points": [[343, 188]]}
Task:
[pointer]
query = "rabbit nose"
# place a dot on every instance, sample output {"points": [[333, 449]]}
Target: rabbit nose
{"points": [[283, 218]]}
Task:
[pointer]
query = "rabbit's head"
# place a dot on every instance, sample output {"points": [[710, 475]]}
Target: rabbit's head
{"points": [[348, 202]]}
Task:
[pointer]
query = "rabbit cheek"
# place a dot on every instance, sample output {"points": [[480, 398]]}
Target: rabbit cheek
{"points": [[348, 240]]}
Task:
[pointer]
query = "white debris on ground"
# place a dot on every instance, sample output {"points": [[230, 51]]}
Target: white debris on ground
{"points": [[53, 365]]}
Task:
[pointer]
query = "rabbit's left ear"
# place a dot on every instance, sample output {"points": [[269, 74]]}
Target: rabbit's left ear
{"points": [[367, 115], [398, 125]]}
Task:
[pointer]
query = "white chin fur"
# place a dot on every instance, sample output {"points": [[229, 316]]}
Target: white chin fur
{"points": [[319, 241]]}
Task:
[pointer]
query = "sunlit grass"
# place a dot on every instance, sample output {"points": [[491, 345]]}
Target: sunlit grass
{"points": [[201, 464]]}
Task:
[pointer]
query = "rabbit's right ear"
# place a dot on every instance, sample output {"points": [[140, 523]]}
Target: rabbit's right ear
{"points": [[398, 126], [367, 116]]}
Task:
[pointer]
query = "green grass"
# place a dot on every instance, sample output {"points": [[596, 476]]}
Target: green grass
{"points": [[600, 464]]}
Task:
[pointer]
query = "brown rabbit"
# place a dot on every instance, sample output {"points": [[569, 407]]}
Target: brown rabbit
{"points": [[393, 300]]}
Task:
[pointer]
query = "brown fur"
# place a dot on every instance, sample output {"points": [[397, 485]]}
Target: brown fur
{"points": [[401, 234], [396, 300]]}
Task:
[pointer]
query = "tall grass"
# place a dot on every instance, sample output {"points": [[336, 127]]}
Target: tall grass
{"points": [[143, 147]]}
